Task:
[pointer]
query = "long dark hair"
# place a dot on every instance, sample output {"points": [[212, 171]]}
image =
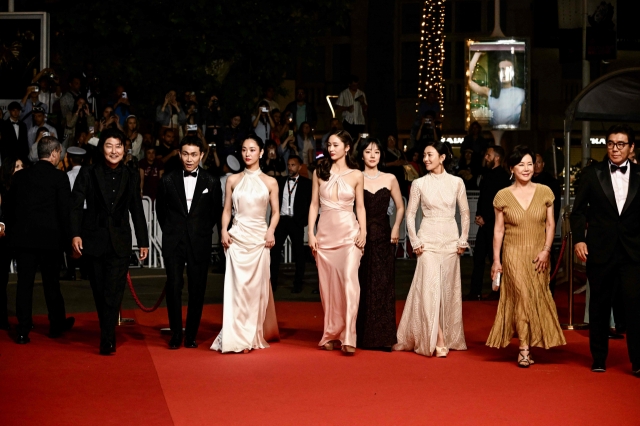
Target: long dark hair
{"points": [[323, 171], [364, 145], [6, 171], [494, 84]]}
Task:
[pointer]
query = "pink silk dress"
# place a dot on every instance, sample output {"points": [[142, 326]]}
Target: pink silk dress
{"points": [[338, 260]]}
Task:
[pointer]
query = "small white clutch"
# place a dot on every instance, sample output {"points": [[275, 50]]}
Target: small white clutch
{"points": [[495, 285]]}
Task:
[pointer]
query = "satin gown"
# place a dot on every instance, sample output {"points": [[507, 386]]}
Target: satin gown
{"points": [[249, 317], [435, 297], [338, 260]]}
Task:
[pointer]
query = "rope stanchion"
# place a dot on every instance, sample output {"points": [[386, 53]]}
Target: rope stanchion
{"points": [[562, 248], [571, 325], [137, 300]]}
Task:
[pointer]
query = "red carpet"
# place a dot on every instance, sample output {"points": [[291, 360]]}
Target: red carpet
{"points": [[65, 382]]}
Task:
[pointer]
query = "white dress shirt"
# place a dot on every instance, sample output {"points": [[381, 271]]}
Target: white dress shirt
{"points": [[15, 128], [288, 200], [189, 187], [620, 183]]}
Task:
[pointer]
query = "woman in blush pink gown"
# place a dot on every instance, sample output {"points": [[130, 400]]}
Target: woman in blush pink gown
{"points": [[339, 242]]}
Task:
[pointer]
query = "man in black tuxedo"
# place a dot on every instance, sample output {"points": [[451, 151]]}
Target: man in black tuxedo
{"points": [[38, 219], [13, 135], [295, 199], [188, 207], [607, 205], [102, 233], [493, 180], [545, 178]]}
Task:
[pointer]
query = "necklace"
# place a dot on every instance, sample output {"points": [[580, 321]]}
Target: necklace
{"points": [[372, 177]]}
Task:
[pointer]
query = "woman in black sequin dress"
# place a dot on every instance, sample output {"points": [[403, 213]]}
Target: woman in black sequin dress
{"points": [[376, 322]]}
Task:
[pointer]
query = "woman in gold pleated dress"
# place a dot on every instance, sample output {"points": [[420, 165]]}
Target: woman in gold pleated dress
{"points": [[524, 219]]}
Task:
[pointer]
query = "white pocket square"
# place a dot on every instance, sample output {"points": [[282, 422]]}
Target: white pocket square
{"points": [[205, 190]]}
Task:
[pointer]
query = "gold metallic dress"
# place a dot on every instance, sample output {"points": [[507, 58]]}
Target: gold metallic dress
{"points": [[526, 305]]}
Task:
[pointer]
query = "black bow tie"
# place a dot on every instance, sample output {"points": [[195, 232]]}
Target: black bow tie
{"points": [[194, 173], [614, 168], [15, 123], [293, 179]]}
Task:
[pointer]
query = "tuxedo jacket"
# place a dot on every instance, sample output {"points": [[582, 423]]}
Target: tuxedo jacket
{"points": [[38, 214], [302, 199], [102, 227], [198, 222], [595, 210], [10, 145]]}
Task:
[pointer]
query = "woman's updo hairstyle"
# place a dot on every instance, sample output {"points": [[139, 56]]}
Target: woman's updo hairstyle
{"points": [[255, 138], [364, 144], [442, 149], [518, 153], [323, 170]]}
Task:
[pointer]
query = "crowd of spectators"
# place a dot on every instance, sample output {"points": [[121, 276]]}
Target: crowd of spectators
{"points": [[76, 112]]}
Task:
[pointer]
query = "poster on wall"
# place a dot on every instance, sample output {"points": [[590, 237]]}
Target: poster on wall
{"points": [[497, 94], [24, 51]]}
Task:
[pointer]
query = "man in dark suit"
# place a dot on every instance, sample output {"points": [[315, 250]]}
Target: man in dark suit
{"points": [[545, 178], [38, 219], [188, 207], [13, 135], [607, 206], [295, 199], [102, 233], [493, 180]]}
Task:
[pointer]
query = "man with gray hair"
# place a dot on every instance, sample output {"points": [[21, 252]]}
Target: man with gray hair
{"points": [[38, 230]]}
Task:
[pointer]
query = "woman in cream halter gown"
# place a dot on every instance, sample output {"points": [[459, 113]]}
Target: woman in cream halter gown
{"points": [[249, 316]]}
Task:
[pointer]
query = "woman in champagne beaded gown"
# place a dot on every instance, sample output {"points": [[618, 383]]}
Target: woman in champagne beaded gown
{"points": [[249, 316], [432, 317], [339, 241], [376, 324]]}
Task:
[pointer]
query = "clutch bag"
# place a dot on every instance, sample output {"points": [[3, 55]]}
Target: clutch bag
{"points": [[495, 285]]}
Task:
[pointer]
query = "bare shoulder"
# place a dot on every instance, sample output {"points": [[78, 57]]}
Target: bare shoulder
{"points": [[234, 179], [389, 179], [271, 182]]}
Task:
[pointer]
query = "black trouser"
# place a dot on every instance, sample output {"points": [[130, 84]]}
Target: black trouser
{"points": [[49, 262], [482, 250], [6, 255], [618, 277], [287, 227], [108, 277], [197, 281], [353, 129]]}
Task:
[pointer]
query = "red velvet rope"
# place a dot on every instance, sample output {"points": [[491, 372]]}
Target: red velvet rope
{"points": [[564, 246], [140, 305]]}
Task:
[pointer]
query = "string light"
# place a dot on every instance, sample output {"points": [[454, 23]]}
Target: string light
{"points": [[432, 51]]}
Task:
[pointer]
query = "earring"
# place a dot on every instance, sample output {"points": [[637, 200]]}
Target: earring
{"points": [[511, 177], [260, 155]]}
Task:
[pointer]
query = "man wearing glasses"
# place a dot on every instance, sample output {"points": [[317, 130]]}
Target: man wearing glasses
{"points": [[607, 206]]}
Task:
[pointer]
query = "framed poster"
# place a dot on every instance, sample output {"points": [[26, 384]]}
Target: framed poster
{"points": [[497, 94], [24, 51]]}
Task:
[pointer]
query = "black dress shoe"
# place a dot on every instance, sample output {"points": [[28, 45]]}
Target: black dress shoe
{"points": [[598, 367], [615, 336], [106, 348], [22, 339], [190, 343], [175, 341]]}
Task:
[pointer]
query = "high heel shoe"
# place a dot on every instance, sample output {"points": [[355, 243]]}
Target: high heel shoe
{"points": [[441, 352], [328, 346], [523, 359], [348, 350]]}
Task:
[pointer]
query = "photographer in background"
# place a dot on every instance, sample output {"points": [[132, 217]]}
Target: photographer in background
{"points": [[272, 164], [262, 121], [131, 131], [108, 120], [28, 103], [168, 151], [68, 100], [212, 118], [352, 104], [78, 120], [37, 116], [428, 130], [301, 110], [48, 81], [121, 105], [170, 115]]}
